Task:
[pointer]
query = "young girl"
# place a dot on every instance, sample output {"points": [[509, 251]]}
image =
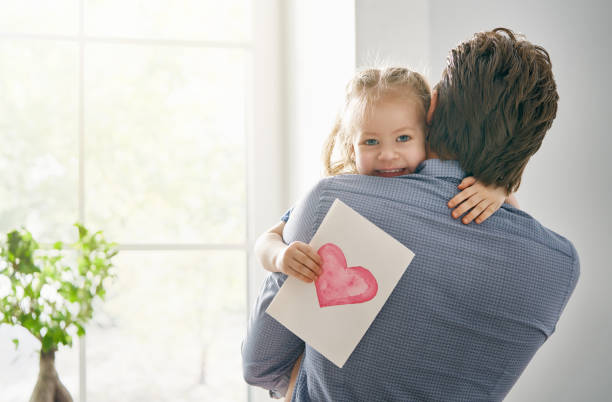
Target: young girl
{"points": [[380, 132]]}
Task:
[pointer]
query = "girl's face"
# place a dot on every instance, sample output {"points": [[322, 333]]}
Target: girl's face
{"points": [[391, 141]]}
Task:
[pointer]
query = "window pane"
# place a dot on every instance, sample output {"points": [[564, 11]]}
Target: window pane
{"points": [[39, 132], [170, 329], [40, 16], [165, 143], [182, 19]]}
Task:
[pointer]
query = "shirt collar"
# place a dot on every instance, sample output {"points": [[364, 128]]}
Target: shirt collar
{"points": [[440, 168]]}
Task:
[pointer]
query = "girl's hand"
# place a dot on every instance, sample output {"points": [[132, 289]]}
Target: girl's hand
{"points": [[481, 201], [299, 260]]}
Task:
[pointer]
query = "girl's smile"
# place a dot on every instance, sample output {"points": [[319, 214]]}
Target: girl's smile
{"points": [[391, 172]]}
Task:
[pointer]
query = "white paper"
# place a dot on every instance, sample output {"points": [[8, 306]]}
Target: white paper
{"points": [[334, 331]]}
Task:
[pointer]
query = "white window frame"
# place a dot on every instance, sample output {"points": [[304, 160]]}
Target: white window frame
{"points": [[267, 144]]}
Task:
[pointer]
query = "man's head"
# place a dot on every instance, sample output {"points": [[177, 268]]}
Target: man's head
{"points": [[496, 100]]}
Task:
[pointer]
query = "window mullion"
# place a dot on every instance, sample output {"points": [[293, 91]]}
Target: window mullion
{"points": [[81, 103]]}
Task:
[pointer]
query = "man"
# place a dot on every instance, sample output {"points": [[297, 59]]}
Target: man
{"points": [[477, 301]]}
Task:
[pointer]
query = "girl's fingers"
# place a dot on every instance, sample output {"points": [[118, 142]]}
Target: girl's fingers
{"points": [[313, 255], [462, 196], [486, 214], [475, 212], [299, 275], [306, 265], [301, 262], [309, 251], [465, 206], [467, 182], [309, 259]]}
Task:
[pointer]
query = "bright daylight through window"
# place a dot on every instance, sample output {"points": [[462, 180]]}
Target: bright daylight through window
{"points": [[131, 117]]}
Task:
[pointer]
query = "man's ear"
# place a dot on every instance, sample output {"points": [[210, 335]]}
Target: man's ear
{"points": [[432, 106]]}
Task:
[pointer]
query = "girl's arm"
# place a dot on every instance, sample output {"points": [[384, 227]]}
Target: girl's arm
{"points": [[296, 259], [293, 379], [477, 201]]}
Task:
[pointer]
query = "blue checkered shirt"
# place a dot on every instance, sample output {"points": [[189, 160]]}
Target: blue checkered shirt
{"points": [[467, 316]]}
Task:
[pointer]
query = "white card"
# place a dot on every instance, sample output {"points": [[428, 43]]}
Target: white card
{"points": [[333, 316]]}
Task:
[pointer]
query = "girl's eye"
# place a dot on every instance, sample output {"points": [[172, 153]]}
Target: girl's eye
{"points": [[403, 138], [371, 141]]}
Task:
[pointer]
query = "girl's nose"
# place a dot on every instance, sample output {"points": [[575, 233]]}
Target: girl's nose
{"points": [[387, 153]]}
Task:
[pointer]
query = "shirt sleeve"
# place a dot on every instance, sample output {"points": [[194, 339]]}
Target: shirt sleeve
{"points": [[306, 216], [270, 350], [285, 217], [573, 280]]}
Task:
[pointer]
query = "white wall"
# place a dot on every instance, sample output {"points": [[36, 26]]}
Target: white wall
{"points": [[567, 185], [320, 59], [266, 187], [382, 40]]}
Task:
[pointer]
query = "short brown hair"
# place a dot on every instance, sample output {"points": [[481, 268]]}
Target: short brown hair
{"points": [[496, 100], [363, 93]]}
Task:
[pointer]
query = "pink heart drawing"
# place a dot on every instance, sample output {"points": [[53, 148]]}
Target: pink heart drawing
{"points": [[339, 284]]}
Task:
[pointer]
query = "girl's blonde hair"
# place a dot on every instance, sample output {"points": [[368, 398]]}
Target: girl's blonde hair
{"points": [[363, 92]]}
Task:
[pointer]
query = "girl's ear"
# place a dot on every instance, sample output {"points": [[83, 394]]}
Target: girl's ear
{"points": [[432, 106]]}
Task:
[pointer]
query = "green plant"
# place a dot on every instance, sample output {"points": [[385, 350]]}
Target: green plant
{"points": [[51, 298]]}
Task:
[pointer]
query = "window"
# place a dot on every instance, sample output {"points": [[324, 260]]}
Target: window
{"points": [[134, 117]]}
